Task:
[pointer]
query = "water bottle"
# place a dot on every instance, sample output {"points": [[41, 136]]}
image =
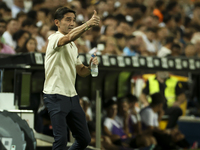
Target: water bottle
{"points": [[94, 68]]}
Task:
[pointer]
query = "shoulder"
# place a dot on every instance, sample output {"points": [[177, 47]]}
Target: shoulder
{"points": [[55, 35]]}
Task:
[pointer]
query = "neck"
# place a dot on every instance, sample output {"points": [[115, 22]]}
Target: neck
{"points": [[154, 109], [168, 46]]}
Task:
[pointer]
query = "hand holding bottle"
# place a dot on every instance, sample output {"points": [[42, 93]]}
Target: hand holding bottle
{"points": [[94, 65]]}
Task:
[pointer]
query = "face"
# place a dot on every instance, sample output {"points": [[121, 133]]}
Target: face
{"points": [[124, 107], [151, 35], [2, 28], [124, 28], [12, 26], [110, 22], [44, 30], [176, 51], [22, 40], [163, 33], [112, 111], [110, 46], [110, 31], [190, 51], [31, 45], [66, 24]]}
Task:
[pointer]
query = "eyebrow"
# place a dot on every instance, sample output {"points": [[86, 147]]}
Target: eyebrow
{"points": [[70, 18]]}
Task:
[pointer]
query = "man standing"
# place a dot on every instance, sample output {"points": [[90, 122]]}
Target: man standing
{"points": [[61, 65]]}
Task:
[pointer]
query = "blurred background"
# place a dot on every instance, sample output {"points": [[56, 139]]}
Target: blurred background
{"points": [[143, 46]]}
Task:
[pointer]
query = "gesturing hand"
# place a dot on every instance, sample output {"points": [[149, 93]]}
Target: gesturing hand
{"points": [[94, 21]]}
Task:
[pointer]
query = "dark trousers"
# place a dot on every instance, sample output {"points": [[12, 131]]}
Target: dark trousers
{"points": [[66, 112], [174, 113]]}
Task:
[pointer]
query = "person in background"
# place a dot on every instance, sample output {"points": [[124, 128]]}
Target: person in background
{"points": [[132, 125], [21, 16], [17, 7], [190, 50], [158, 11], [11, 28], [171, 89], [176, 50], [30, 45], [3, 47], [106, 143], [131, 47], [166, 48], [85, 104], [41, 38], [150, 117], [20, 37]]}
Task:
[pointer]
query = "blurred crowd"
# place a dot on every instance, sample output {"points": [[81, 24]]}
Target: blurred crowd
{"points": [[128, 27]]}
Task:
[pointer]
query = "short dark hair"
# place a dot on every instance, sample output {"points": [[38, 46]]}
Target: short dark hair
{"points": [[149, 29], [2, 21], [28, 22], [19, 34], [167, 18], [157, 98], [171, 5], [176, 46], [60, 12], [45, 10], [109, 102], [169, 40], [159, 3], [132, 98], [122, 100]]}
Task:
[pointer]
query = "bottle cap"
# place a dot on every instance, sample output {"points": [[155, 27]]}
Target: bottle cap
{"points": [[93, 55]]}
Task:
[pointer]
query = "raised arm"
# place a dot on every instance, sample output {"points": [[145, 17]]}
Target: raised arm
{"points": [[78, 31]]}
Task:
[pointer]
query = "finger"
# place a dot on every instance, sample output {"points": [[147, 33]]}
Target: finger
{"points": [[95, 13]]}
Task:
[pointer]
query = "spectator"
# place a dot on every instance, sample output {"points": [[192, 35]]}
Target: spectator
{"points": [[29, 46], [20, 37], [190, 51], [111, 47], [149, 39], [43, 17], [131, 124], [158, 11], [131, 47], [12, 27], [17, 7], [106, 143], [169, 22], [173, 7], [176, 50], [124, 27], [4, 11], [3, 47], [21, 16], [121, 40], [85, 104], [41, 38], [29, 25], [151, 115], [171, 89], [166, 49]]}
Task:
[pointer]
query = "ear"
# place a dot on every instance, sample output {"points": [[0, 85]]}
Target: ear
{"points": [[57, 22]]}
